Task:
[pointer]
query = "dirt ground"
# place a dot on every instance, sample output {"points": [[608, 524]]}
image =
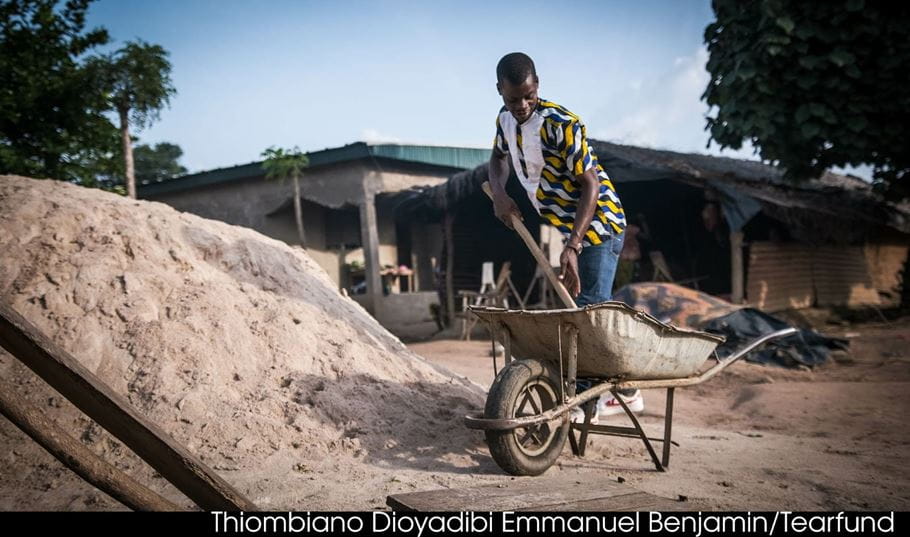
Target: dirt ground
{"points": [[762, 437], [242, 349]]}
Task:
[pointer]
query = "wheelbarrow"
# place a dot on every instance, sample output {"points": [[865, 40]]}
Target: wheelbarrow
{"points": [[526, 416]]}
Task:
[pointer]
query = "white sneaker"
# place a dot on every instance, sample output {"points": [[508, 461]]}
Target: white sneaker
{"points": [[607, 405], [577, 415]]}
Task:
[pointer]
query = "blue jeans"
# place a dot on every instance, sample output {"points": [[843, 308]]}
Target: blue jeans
{"points": [[597, 269]]}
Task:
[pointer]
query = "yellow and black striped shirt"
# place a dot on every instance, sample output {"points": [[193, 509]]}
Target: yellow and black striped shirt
{"points": [[548, 151]]}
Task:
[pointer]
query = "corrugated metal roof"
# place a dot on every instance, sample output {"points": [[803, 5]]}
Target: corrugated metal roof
{"points": [[453, 158]]}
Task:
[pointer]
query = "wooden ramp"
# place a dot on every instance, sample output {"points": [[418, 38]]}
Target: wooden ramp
{"points": [[579, 493]]}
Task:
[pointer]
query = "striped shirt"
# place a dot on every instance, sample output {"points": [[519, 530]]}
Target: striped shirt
{"points": [[548, 151]]}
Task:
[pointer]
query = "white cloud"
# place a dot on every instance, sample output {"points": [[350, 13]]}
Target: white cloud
{"points": [[373, 136], [665, 112]]}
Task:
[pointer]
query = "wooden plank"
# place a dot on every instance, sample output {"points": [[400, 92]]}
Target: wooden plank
{"points": [[530, 494], [78, 458], [66, 375], [635, 501]]}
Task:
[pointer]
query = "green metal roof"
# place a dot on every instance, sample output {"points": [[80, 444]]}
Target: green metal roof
{"points": [[457, 158]]}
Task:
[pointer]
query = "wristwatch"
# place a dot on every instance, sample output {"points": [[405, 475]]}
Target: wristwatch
{"points": [[577, 247]]}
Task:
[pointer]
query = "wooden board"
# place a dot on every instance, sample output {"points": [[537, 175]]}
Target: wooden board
{"points": [[588, 493], [112, 411]]}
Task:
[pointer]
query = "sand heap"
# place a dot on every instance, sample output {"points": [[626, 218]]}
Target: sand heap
{"points": [[236, 344]]}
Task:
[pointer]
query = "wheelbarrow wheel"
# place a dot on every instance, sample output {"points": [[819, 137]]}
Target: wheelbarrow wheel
{"points": [[525, 388]]}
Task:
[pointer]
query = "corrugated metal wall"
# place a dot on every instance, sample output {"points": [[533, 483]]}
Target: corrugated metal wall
{"points": [[779, 276], [841, 277], [886, 261], [786, 275]]}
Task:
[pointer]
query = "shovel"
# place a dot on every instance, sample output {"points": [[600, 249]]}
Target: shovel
{"points": [[542, 260]]}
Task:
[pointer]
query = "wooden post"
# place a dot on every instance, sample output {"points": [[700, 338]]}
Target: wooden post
{"points": [[113, 412], [449, 222], [737, 280], [78, 458], [369, 233]]}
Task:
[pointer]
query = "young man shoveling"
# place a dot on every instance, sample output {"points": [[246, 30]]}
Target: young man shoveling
{"points": [[566, 185]]}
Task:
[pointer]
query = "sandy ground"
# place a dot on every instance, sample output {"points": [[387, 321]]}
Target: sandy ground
{"points": [[760, 437], [242, 349]]}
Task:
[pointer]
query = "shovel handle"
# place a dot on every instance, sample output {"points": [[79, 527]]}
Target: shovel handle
{"points": [[537, 253]]}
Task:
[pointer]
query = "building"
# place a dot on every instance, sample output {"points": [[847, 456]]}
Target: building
{"points": [[352, 227], [730, 227]]}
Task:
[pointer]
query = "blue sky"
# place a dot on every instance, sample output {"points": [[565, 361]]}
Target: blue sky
{"points": [[252, 74]]}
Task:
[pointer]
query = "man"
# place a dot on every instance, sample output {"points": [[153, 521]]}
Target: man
{"points": [[549, 149]]}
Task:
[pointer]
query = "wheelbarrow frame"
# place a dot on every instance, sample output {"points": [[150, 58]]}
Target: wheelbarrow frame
{"points": [[587, 399]]}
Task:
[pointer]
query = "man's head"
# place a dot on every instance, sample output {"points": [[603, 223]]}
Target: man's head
{"points": [[516, 81]]}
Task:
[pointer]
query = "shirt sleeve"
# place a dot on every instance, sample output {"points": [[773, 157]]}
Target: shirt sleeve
{"points": [[575, 148], [500, 141]]}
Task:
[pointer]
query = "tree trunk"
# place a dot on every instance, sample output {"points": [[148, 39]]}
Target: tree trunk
{"points": [[298, 213], [127, 153]]}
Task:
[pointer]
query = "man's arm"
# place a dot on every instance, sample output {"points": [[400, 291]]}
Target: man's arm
{"points": [[587, 204], [503, 205]]}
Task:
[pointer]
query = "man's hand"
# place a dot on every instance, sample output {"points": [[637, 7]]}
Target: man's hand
{"points": [[568, 271], [504, 206]]}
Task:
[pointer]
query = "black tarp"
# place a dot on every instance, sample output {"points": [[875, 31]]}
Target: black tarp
{"points": [[807, 347]]}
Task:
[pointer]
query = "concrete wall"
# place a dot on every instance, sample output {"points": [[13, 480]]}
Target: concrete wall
{"points": [[406, 315], [328, 223]]}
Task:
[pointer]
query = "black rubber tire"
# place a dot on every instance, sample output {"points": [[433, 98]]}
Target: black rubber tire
{"points": [[526, 451]]}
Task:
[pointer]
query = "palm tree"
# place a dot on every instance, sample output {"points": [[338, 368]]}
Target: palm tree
{"points": [[282, 164], [139, 81]]}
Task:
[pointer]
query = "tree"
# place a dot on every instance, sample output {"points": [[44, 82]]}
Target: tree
{"points": [[154, 164], [813, 85], [52, 121], [138, 78], [282, 164]]}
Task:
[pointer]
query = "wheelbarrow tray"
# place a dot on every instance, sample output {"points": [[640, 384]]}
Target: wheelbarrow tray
{"points": [[615, 341]]}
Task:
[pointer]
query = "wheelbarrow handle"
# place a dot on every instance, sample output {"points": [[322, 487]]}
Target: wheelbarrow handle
{"points": [[538, 254], [720, 366]]}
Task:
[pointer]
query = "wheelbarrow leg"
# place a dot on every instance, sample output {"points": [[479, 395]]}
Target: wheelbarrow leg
{"points": [[505, 338], [578, 445], [641, 432]]}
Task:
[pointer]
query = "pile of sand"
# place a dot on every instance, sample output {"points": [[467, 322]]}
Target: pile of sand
{"points": [[237, 345]]}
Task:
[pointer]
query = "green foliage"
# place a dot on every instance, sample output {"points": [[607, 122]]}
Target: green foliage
{"points": [[154, 164], [284, 164], [813, 85], [52, 121], [138, 80]]}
